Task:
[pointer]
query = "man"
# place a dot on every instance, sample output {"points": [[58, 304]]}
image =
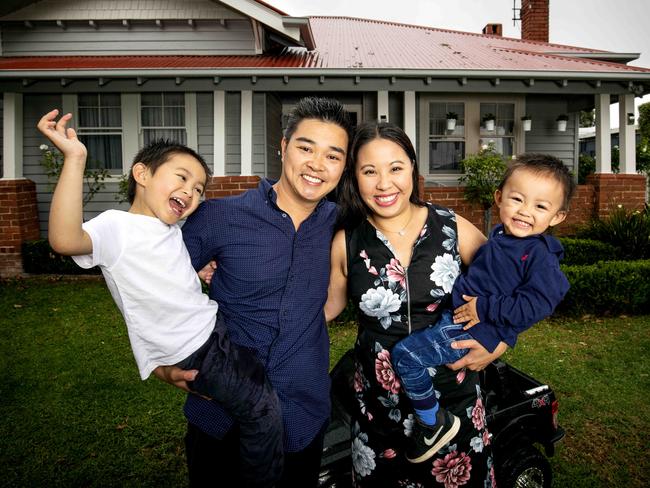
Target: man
{"points": [[272, 245]]}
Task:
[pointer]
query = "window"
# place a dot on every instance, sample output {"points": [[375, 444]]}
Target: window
{"points": [[163, 117], [446, 147], [503, 133], [100, 129]]}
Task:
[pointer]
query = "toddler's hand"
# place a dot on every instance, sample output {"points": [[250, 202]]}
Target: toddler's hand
{"points": [[467, 313], [207, 271], [64, 138]]}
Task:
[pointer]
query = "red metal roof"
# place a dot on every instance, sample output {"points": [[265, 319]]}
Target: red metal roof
{"points": [[360, 44]]}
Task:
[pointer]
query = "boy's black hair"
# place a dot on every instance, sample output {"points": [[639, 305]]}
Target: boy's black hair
{"points": [[353, 210], [155, 154], [325, 109], [544, 164]]}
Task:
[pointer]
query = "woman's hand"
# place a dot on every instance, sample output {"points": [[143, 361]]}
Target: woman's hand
{"points": [[478, 357], [176, 376]]}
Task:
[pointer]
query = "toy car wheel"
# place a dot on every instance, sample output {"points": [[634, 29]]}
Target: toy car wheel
{"points": [[526, 468]]}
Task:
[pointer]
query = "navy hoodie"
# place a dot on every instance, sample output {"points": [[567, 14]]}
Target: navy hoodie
{"points": [[518, 282]]}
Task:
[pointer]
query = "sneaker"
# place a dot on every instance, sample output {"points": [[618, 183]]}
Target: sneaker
{"points": [[429, 439]]}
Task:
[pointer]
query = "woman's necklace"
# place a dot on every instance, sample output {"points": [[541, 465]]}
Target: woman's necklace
{"points": [[400, 232]]}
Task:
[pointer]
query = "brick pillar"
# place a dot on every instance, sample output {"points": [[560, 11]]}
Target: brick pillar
{"points": [[611, 190], [534, 20], [18, 222], [225, 186]]}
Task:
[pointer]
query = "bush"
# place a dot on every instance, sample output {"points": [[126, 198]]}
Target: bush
{"points": [[587, 251], [627, 230], [614, 287], [39, 258]]}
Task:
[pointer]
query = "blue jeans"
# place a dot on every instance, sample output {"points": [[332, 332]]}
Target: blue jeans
{"points": [[423, 349]]}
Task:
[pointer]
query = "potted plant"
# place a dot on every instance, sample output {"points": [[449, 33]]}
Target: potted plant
{"points": [[488, 121], [452, 117], [562, 120], [527, 122]]}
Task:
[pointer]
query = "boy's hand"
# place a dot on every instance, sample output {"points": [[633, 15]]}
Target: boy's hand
{"points": [[64, 138], [206, 273], [175, 376], [467, 313]]}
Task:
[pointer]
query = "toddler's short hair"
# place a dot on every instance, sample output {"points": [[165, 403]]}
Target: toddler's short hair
{"points": [[544, 164], [155, 154]]}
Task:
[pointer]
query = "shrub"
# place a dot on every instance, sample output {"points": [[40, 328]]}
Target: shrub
{"points": [[612, 287], [587, 251], [39, 258], [627, 230]]}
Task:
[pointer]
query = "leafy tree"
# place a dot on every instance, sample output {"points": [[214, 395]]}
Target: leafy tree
{"points": [[482, 175], [587, 118]]}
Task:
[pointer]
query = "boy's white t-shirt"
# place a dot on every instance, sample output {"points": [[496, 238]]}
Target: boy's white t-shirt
{"points": [[149, 273]]}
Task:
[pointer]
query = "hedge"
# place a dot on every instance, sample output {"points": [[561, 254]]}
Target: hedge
{"points": [[607, 287], [39, 258], [587, 251]]}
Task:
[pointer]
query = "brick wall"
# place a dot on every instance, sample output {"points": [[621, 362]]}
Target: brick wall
{"points": [[534, 20], [18, 222], [225, 186], [613, 190]]}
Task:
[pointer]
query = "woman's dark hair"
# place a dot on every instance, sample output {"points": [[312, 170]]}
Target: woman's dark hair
{"points": [[353, 210], [155, 154]]}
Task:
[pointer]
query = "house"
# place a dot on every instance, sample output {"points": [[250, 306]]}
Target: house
{"points": [[221, 76]]}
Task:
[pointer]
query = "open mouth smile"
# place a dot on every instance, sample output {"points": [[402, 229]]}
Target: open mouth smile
{"points": [[177, 205], [386, 200], [312, 180]]}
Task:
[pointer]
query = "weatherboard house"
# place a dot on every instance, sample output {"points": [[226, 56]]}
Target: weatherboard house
{"points": [[221, 76]]}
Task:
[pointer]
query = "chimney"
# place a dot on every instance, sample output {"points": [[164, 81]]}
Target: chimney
{"points": [[534, 20], [493, 29]]}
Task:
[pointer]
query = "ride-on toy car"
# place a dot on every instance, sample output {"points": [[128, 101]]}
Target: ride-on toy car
{"points": [[520, 412]]}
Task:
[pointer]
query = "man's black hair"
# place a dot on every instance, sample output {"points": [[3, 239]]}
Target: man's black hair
{"points": [[324, 109]]}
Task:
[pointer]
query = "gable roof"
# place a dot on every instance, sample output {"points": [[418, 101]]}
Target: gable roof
{"points": [[354, 46]]}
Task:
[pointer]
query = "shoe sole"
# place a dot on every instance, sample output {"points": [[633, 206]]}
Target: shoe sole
{"points": [[455, 427]]}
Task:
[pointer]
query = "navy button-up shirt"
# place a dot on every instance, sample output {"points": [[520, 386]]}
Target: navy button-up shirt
{"points": [[271, 286]]}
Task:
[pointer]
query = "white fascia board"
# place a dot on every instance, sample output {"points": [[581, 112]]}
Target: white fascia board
{"points": [[203, 72], [266, 16]]}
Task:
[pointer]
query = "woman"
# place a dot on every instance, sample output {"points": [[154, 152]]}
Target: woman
{"points": [[397, 258]]}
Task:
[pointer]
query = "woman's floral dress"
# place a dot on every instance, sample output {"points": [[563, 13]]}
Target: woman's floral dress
{"points": [[392, 301]]}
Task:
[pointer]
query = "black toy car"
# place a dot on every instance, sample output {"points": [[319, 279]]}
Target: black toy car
{"points": [[521, 412]]}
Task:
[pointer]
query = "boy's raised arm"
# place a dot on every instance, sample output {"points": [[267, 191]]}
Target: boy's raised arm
{"points": [[66, 212]]}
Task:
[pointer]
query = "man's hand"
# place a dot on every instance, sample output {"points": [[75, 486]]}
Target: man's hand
{"points": [[467, 313], [478, 357], [176, 376], [207, 271]]}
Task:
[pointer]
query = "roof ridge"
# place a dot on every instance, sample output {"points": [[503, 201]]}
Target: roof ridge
{"points": [[475, 34]]}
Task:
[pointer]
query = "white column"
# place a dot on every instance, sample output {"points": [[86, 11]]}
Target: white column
{"points": [[626, 135], [219, 131], [409, 117], [603, 135], [12, 136], [130, 129], [246, 133], [382, 106], [191, 124]]}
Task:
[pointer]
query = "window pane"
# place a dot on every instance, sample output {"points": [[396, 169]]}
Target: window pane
{"points": [[502, 145], [445, 155], [110, 100], [177, 99], [438, 119], [111, 117], [104, 151], [88, 117], [152, 116], [151, 99], [174, 116], [88, 99]]}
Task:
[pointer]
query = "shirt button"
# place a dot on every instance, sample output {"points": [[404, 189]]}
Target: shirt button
{"points": [[284, 215]]}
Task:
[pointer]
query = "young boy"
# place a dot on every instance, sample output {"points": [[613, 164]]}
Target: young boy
{"points": [[149, 274], [513, 282]]}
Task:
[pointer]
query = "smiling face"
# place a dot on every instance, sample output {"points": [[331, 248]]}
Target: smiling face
{"points": [[312, 161], [530, 202], [384, 175], [173, 192]]}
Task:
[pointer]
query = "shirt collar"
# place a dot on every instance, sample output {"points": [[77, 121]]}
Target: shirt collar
{"points": [[270, 196]]}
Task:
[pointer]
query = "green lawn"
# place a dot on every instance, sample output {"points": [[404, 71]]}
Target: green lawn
{"points": [[75, 412]]}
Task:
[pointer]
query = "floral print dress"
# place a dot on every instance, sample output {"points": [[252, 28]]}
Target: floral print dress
{"points": [[392, 301]]}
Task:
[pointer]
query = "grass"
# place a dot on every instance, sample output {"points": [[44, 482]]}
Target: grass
{"points": [[75, 412]]}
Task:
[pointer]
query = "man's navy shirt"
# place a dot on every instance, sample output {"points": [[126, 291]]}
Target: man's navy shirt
{"points": [[271, 285]]}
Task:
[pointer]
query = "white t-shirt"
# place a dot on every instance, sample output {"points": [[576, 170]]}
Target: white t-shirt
{"points": [[149, 273]]}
